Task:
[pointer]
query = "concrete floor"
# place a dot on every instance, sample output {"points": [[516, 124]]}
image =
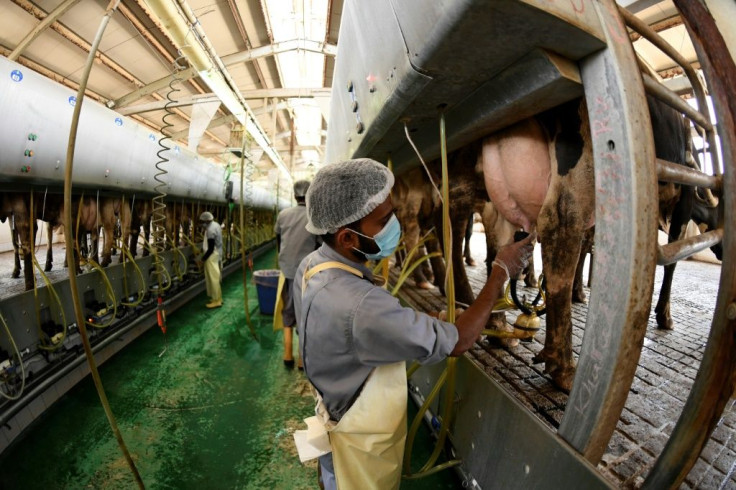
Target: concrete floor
{"points": [[216, 410]]}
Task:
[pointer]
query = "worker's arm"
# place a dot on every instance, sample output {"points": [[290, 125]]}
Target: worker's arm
{"points": [[210, 249], [469, 325]]}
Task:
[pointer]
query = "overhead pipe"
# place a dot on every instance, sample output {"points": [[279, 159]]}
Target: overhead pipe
{"points": [[179, 21]]}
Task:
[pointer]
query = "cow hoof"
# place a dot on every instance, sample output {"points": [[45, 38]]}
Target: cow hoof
{"points": [[15, 275], [579, 297], [424, 285], [667, 324], [47, 268], [470, 262], [563, 380]]}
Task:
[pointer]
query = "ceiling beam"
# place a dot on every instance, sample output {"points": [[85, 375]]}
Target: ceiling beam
{"points": [[281, 93], [230, 119], [42, 26], [250, 55], [659, 26], [288, 93]]}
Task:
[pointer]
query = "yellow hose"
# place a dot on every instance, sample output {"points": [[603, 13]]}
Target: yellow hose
{"points": [[166, 273], [20, 361], [141, 279], [449, 374], [49, 288]]}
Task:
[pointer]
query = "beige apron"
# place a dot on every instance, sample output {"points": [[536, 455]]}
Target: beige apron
{"points": [[212, 276], [278, 319], [368, 441]]}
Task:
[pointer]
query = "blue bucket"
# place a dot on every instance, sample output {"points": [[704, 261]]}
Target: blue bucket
{"points": [[267, 283]]}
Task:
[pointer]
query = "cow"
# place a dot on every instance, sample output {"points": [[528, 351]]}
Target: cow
{"points": [[539, 173], [17, 207], [678, 204], [417, 204], [92, 213], [140, 216]]}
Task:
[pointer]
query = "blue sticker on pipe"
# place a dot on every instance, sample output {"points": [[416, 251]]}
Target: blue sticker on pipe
{"points": [[118, 121], [72, 100], [16, 75]]}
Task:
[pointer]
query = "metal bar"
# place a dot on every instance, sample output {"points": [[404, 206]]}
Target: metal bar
{"points": [[714, 383], [682, 249], [157, 106], [658, 90], [679, 174], [149, 89], [643, 29], [625, 252], [45, 23]]}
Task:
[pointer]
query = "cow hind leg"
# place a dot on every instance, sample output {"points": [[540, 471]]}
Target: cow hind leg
{"points": [[463, 291], [662, 310], [561, 236], [16, 254], [468, 235], [49, 249]]}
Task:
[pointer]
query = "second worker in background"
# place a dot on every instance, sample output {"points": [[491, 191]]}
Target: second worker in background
{"points": [[294, 243]]}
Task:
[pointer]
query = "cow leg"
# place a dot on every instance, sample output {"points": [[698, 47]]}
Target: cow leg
{"points": [[468, 235], [561, 237], [680, 217], [24, 234], [49, 250], [439, 271], [530, 274], [463, 291], [108, 232], [16, 252], [147, 236], [125, 219], [410, 225], [133, 241], [95, 245], [662, 310]]}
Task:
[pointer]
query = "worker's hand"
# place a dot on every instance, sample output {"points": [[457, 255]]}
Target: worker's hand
{"points": [[514, 257]]}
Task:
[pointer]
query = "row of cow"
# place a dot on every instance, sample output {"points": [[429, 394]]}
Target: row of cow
{"points": [[539, 174], [121, 219]]}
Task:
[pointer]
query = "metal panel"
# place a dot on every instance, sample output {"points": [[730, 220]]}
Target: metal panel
{"points": [[113, 152], [625, 240], [504, 446], [371, 59], [475, 58]]}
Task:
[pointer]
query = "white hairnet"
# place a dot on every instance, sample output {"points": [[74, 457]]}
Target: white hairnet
{"points": [[206, 216], [300, 188], [345, 192]]}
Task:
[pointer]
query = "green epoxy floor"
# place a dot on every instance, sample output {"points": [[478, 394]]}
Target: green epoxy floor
{"points": [[216, 410]]}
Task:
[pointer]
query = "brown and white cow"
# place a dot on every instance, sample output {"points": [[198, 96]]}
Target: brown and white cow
{"points": [[16, 206]]}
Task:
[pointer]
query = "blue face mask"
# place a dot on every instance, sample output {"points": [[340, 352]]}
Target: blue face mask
{"points": [[387, 239]]}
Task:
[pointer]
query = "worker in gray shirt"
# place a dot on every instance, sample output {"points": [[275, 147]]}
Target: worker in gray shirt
{"points": [[356, 337], [294, 243]]}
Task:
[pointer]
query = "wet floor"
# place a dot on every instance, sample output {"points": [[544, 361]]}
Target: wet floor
{"points": [[216, 410]]}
